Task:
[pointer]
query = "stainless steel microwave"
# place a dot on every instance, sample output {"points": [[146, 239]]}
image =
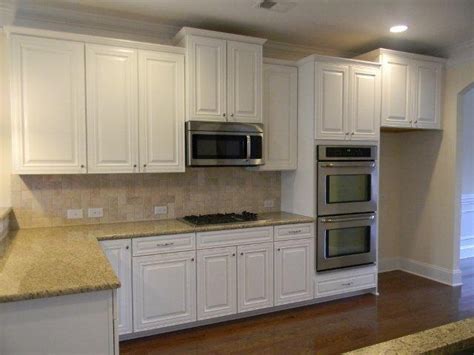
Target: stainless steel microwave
{"points": [[224, 144]]}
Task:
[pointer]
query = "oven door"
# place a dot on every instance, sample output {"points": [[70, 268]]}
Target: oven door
{"points": [[224, 148], [346, 241], [346, 187]]}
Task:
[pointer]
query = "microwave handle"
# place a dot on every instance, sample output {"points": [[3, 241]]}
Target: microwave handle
{"points": [[249, 147]]}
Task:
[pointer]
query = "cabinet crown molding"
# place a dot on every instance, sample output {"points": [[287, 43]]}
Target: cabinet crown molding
{"points": [[186, 31], [325, 58], [379, 51]]}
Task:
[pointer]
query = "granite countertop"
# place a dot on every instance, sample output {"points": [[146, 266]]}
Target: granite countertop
{"points": [[4, 212], [447, 339], [46, 262]]}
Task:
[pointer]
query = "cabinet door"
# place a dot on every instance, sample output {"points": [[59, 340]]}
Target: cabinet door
{"points": [[119, 254], [244, 75], [427, 99], [206, 79], [164, 290], [48, 106], [161, 100], [216, 282], [294, 267], [255, 276], [331, 101], [280, 117], [396, 94], [112, 109], [365, 103]]}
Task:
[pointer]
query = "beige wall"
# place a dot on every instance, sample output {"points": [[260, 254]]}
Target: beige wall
{"points": [[468, 143], [4, 127]]}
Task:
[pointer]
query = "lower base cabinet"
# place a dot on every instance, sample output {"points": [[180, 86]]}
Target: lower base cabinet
{"points": [[164, 290], [294, 261]]}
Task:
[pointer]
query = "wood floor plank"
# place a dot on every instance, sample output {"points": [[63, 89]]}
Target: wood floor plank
{"points": [[407, 304]]}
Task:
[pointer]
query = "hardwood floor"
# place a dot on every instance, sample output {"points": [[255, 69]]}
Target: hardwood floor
{"points": [[406, 304]]}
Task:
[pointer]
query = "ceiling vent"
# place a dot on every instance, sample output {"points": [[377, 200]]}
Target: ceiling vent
{"points": [[276, 6]]}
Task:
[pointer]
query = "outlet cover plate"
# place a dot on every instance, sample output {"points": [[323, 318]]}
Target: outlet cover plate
{"points": [[268, 203], [161, 209], [75, 214], [95, 212]]}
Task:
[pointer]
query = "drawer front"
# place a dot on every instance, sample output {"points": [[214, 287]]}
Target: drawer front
{"points": [[294, 231], [234, 237], [333, 287], [163, 244]]}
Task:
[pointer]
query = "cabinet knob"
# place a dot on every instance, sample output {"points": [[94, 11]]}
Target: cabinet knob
{"points": [[278, 249], [223, 115], [82, 166], [144, 165], [241, 253], [134, 165], [192, 259], [231, 115], [416, 121], [233, 254], [352, 133]]}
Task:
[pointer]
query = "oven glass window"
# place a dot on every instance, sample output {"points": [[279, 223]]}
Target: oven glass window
{"points": [[208, 146], [348, 188], [347, 241]]}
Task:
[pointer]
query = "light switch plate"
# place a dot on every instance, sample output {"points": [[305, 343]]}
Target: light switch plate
{"points": [[95, 212], [75, 214], [161, 209], [268, 203]]}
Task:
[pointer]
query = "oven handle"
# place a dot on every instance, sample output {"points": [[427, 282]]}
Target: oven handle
{"points": [[249, 147], [347, 219], [344, 165]]}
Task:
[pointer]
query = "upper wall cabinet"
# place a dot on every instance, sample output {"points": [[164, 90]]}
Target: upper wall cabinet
{"points": [[411, 89], [138, 86], [280, 119], [48, 106], [223, 76], [112, 109], [347, 102]]}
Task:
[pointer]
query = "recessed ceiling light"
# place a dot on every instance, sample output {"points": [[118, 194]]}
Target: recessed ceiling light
{"points": [[398, 28]]}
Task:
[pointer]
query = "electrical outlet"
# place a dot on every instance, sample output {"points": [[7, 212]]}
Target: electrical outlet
{"points": [[268, 203], [95, 212], [161, 209], [75, 214]]}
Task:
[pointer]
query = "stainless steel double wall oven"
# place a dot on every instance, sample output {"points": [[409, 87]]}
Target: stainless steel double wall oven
{"points": [[346, 206]]}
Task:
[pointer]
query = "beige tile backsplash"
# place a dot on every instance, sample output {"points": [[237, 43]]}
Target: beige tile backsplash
{"points": [[42, 200]]}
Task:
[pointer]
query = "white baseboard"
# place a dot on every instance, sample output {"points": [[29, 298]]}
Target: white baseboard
{"points": [[428, 271]]}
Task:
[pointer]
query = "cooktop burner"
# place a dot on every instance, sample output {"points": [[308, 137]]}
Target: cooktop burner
{"points": [[219, 218]]}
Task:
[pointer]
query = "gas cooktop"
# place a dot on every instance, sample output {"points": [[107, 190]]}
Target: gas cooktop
{"points": [[219, 218]]}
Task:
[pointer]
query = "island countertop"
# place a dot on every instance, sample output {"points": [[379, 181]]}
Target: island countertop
{"points": [[47, 262]]}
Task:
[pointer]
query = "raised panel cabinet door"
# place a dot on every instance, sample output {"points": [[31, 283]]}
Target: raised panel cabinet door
{"points": [[112, 109], [332, 98], [216, 282], [255, 276], [365, 103], [48, 106], [161, 107], [164, 290], [396, 92], [119, 254], [244, 82], [206, 79], [427, 86], [294, 266], [280, 117]]}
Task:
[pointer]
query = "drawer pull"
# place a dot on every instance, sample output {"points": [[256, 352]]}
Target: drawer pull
{"points": [[165, 244], [347, 283], [295, 231]]}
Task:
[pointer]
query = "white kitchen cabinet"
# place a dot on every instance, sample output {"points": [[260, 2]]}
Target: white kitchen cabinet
{"points": [[161, 103], [119, 254], [244, 78], [332, 105], [347, 102], [223, 76], [48, 106], [164, 290], [206, 79], [112, 109], [255, 276], [411, 89], [294, 268], [364, 104], [280, 117], [216, 282]]}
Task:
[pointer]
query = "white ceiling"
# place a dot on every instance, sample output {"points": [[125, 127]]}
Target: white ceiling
{"points": [[344, 25]]}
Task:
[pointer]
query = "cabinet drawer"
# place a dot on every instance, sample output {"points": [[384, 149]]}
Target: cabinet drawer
{"points": [[234, 237], [332, 287], [294, 231], [163, 244]]}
